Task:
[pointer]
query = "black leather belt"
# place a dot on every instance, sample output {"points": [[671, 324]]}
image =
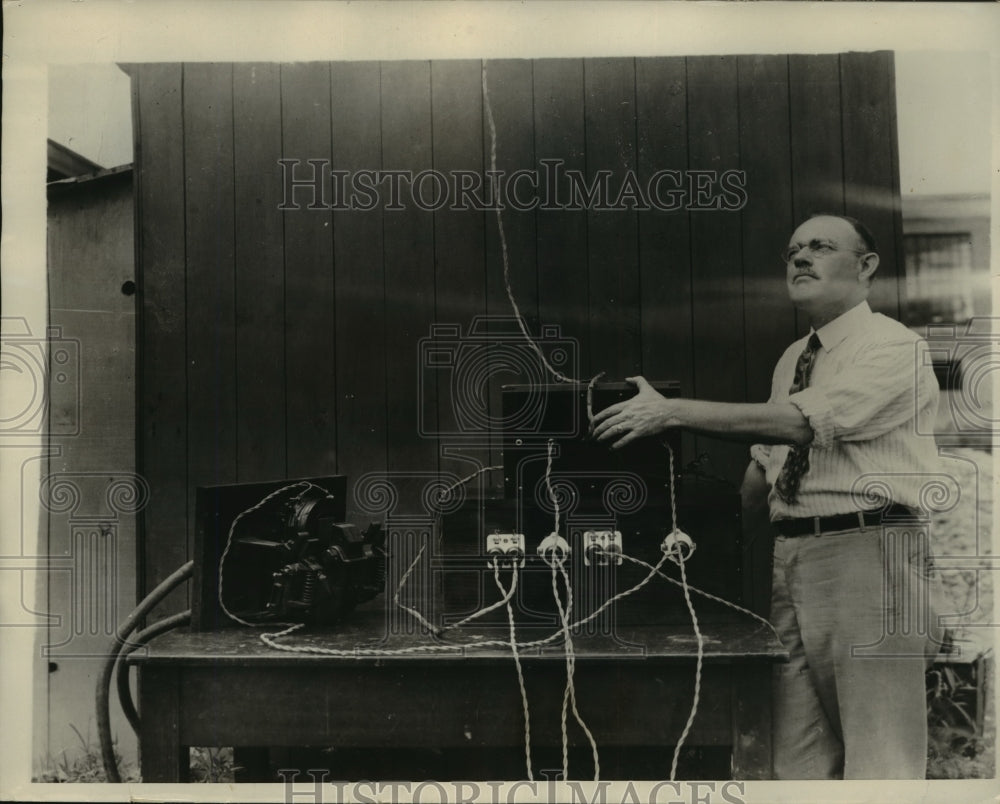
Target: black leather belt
{"points": [[816, 525]]}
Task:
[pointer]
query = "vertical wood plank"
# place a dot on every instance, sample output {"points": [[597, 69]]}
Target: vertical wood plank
{"points": [[563, 294], [871, 180], [411, 386], [459, 255], [209, 218], [510, 98], [664, 231], [310, 316], [260, 336], [360, 286], [716, 249], [510, 95], [664, 237], [162, 441], [765, 158], [612, 234], [898, 254], [817, 140]]}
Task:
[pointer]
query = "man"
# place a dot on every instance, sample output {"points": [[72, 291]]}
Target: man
{"points": [[834, 448]]}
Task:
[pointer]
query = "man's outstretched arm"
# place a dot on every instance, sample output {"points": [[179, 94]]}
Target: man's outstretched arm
{"points": [[650, 414]]}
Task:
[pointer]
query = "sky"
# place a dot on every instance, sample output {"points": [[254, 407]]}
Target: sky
{"points": [[943, 112], [90, 111], [943, 109]]}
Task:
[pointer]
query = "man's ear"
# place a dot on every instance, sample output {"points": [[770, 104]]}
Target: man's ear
{"points": [[869, 265]]}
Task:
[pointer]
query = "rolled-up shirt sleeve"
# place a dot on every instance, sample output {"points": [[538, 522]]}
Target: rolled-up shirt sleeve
{"points": [[760, 453], [880, 391]]}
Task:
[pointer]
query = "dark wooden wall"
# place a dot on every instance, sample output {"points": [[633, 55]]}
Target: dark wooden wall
{"points": [[283, 344]]}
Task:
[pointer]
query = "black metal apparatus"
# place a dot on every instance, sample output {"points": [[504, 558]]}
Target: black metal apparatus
{"points": [[611, 502], [270, 552], [282, 552]]}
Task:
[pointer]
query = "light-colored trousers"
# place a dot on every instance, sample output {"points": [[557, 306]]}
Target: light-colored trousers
{"points": [[857, 610]]}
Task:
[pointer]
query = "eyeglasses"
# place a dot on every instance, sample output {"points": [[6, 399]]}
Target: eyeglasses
{"points": [[820, 248]]}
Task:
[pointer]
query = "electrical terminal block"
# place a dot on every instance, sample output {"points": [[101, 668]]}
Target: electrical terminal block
{"points": [[505, 545], [678, 546], [553, 549], [602, 547]]}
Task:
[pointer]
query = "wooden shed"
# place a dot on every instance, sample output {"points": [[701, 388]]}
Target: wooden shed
{"points": [[286, 342]]}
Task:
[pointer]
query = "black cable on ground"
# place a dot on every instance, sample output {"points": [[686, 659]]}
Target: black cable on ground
{"points": [[117, 645], [135, 642]]}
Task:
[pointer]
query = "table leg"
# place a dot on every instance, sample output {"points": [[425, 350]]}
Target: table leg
{"points": [[161, 756], [751, 687]]}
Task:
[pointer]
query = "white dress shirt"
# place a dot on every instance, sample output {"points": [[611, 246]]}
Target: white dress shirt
{"points": [[871, 384]]}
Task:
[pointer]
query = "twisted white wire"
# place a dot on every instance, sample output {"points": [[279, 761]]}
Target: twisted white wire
{"points": [[708, 595], [517, 665], [558, 560], [505, 600], [503, 242], [443, 494], [697, 670], [570, 693], [680, 560]]}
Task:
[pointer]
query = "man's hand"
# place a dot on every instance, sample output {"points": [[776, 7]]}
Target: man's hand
{"points": [[648, 413]]}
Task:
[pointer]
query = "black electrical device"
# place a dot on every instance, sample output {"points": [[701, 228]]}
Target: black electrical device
{"points": [[286, 554], [707, 508], [563, 416], [603, 495]]}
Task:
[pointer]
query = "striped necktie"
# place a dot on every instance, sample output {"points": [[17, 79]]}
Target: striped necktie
{"points": [[797, 462]]}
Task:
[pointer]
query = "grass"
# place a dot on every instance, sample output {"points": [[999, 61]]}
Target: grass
{"points": [[212, 765], [87, 766], [959, 747], [207, 765]]}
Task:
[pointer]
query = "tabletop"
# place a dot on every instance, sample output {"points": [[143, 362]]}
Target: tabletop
{"points": [[733, 638]]}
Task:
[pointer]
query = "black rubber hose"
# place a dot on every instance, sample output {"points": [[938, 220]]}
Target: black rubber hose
{"points": [[117, 645], [136, 641]]}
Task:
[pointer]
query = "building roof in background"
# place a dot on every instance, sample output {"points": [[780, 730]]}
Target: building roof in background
{"points": [[64, 163], [100, 181], [954, 205]]}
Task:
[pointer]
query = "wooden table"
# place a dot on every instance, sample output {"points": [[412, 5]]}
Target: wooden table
{"points": [[227, 688]]}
